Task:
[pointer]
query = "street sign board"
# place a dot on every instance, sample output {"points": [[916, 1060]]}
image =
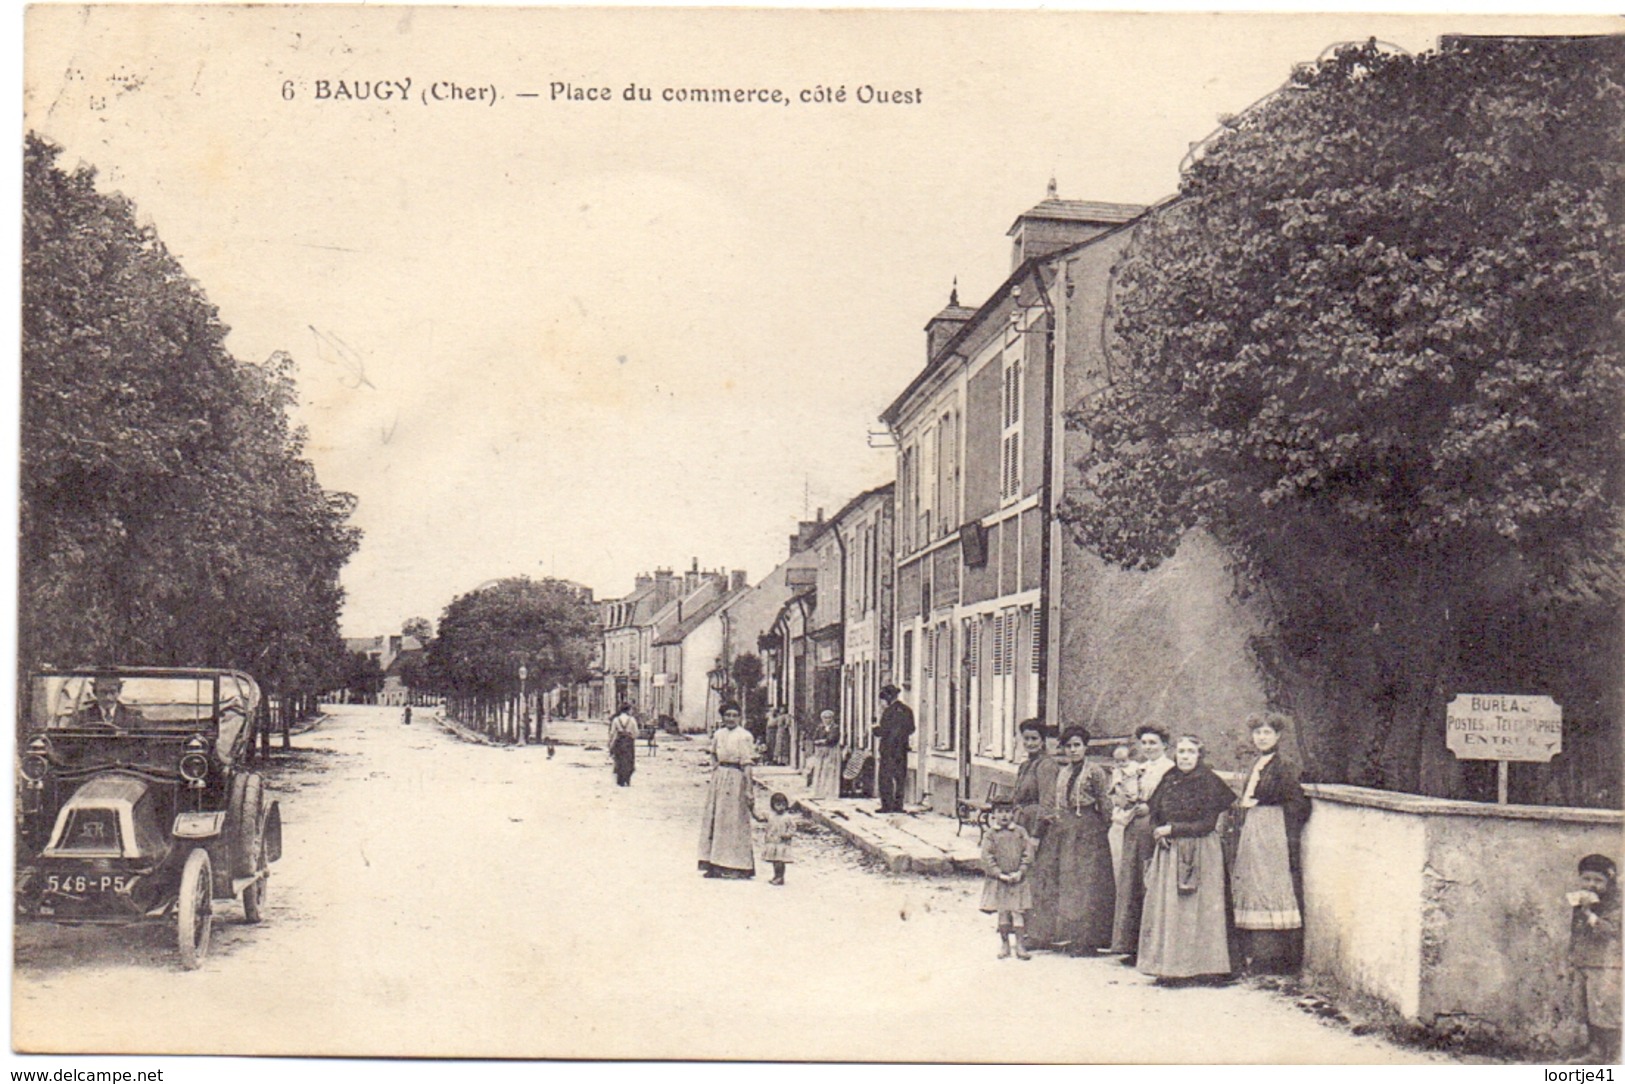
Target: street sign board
{"points": [[1493, 726]]}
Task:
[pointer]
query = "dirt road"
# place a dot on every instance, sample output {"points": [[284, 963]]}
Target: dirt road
{"points": [[441, 898]]}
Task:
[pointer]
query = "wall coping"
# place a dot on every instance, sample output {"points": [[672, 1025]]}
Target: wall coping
{"points": [[1422, 805]]}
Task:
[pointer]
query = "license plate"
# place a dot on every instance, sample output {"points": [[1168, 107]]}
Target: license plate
{"points": [[82, 884]]}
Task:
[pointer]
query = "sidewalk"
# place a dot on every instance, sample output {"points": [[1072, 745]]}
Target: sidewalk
{"points": [[905, 842]]}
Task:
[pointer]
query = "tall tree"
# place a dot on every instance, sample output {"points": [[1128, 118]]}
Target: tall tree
{"points": [[168, 515], [419, 628], [1375, 348], [547, 625]]}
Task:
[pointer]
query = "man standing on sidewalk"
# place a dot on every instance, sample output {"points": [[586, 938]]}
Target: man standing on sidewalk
{"points": [[896, 724]]}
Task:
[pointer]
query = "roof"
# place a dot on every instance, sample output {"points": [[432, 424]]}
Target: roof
{"points": [[850, 506], [1080, 210], [1028, 268], [952, 312], [681, 630]]}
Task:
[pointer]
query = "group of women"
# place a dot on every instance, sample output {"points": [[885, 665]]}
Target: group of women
{"points": [[1177, 893]]}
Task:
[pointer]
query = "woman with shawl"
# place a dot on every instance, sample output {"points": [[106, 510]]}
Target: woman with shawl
{"points": [[1084, 889], [725, 846], [1183, 933], [1266, 885], [1034, 799]]}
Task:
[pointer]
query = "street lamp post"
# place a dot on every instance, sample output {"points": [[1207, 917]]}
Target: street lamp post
{"points": [[523, 721]]}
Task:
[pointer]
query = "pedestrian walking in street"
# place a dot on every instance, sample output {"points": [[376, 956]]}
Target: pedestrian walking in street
{"points": [[1085, 889], [1138, 844], [725, 845], [406, 715], [1594, 955], [623, 744], [825, 773], [1266, 885], [1183, 930], [1008, 852], [896, 724], [777, 837], [1034, 799]]}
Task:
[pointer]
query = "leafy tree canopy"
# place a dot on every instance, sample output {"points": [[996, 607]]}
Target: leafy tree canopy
{"points": [[168, 515], [547, 625], [1375, 347]]}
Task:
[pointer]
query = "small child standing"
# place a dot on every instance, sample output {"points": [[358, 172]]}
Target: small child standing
{"points": [[1594, 954], [1007, 856], [778, 835]]}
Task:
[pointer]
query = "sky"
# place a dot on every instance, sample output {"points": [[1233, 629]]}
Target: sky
{"points": [[552, 336]]}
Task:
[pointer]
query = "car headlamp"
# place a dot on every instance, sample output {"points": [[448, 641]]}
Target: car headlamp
{"points": [[34, 767], [195, 767]]}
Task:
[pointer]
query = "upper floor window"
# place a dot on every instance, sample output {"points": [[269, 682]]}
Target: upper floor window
{"points": [[1010, 441]]}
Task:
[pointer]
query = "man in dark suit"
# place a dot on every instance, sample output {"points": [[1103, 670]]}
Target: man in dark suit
{"points": [[896, 724]]}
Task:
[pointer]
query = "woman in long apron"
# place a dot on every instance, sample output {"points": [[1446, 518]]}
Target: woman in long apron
{"points": [[1266, 885], [623, 745], [1183, 929], [826, 757], [1085, 889], [725, 843], [1034, 799]]}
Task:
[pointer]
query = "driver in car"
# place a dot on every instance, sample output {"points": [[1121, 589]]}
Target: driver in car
{"points": [[106, 708]]}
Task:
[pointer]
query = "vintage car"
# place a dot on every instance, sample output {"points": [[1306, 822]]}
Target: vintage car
{"points": [[135, 803]]}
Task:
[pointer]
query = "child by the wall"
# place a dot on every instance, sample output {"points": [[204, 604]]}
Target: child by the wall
{"points": [[1594, 954]]}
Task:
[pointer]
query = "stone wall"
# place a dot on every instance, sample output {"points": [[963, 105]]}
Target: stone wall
{"points": [[1451, 913]]}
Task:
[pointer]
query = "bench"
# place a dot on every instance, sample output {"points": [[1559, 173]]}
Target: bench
{"points": [[970, 811]]}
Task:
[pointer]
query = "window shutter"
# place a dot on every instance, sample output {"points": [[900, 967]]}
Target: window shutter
{"points": [[1038, 638], [1015, 463], [1010, 642]]}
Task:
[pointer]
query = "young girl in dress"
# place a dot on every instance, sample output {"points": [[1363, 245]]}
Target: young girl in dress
{"points": [[1007, 856], [778, 835]]}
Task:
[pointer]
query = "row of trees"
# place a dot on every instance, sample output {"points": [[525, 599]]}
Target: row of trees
{"points": [[549, 627], [168, 513], [1374, 347]]}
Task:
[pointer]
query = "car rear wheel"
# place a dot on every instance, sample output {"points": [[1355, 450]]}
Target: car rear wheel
{"points": [[194, 909]]}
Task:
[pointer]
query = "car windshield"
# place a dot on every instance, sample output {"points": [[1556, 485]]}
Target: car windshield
{"points": [[128, 702]]}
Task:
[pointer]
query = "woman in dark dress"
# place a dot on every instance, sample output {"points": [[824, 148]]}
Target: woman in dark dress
{"points": [[1184, 931], [1034, 799], [1084, 886], [1266, 884]]}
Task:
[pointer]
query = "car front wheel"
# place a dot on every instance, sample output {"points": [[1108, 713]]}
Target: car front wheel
{"points": [[254, 895], [194, 909]]}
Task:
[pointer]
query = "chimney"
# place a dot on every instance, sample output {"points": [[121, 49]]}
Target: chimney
{"points": [[739, 582], [805, 531], [642, 580], [945, 324]]}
